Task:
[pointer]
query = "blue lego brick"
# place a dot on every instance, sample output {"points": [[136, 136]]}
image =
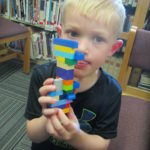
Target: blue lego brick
{"points": [[64, 74], [65, 105], [63, 54], [79, 55], [66, 42], [55, 93], [70, 96], [60, 103], [76, 85]]}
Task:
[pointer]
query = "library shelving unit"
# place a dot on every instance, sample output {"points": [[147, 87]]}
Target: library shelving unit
{"points": [[42, 16], [141, 10]]}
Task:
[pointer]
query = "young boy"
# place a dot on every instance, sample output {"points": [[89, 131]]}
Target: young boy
{"points": [[93, 118]]}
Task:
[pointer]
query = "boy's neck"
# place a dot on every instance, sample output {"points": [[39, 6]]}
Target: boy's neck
{"points": [[87, 82]]}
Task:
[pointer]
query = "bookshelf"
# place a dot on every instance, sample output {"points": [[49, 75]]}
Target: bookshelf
{"points": [[42, 16]]}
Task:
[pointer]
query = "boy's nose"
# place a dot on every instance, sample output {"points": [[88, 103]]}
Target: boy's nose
{"points": [[83, 45]]}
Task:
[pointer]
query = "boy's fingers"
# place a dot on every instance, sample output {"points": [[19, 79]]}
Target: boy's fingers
{"points": [[50, 112], [68, 125], [58, 126], [51, 129], [46, 100], [47, 88], [48, 81], [71, 115]]}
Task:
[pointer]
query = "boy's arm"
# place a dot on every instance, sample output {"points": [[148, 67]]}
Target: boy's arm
{"points": [[86, 141], [36, 129]]}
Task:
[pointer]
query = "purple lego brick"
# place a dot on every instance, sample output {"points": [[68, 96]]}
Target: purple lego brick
{"points": [[66, 42], [64, 74], [79, 55]]}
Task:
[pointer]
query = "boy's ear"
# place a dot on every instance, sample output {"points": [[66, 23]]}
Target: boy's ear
{"points": [[58, 28], [115, 47]]}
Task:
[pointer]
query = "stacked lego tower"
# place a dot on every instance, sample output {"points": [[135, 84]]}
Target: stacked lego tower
{"points": [[67, 57]]}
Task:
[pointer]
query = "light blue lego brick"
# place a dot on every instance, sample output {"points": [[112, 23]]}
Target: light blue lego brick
{"points": [[79, 55], [55, 93], [76, 85], [59, 84], [66, 42], [63, 54]]}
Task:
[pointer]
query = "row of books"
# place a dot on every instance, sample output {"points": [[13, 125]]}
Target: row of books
{"points": [[144, 82], [132, 3], [42, 45], [139, 78], [45, 13]]}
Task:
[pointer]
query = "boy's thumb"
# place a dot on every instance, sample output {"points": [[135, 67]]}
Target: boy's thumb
{"points": [[71, 115]]}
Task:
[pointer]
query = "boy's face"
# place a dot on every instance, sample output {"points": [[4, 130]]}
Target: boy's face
{"points": [[94, 38]]}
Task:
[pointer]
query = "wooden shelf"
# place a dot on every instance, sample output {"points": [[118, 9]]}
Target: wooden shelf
{"points": [[124, 35]]}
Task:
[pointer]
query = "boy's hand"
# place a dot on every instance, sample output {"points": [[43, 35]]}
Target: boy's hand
{"points": [[63, 127], [59, 125], [44, 100]]}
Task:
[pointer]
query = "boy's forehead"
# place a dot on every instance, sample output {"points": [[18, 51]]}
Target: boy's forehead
{"points": [[101, 15], [80, 22], [72, 14]]}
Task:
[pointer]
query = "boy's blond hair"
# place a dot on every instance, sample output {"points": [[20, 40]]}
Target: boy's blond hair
{"points": [[111, 12]]}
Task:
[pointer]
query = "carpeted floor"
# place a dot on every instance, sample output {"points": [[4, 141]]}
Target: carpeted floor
{"points": [[13, 96]]}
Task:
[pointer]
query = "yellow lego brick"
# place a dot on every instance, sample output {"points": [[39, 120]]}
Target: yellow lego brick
{"points": [[64, 49], [65, 66], [56, 97], [66, 110], [60, 59]]}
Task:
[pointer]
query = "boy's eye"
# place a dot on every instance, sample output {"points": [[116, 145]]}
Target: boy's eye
{"points": [[98, 39], [73, 34]]}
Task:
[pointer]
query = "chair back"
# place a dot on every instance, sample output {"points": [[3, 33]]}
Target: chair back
{"points": [[137, 54], [140, 54]]}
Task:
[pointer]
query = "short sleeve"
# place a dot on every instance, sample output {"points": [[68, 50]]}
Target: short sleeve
{"points": [[39, 75], [33, 108]]}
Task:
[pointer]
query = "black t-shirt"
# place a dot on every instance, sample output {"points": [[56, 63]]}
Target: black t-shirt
{"points": [[97, 109]]}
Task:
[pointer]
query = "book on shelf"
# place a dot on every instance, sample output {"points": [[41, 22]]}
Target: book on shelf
{"points": [[42, 45], [135, 76], [132, 3], [144, 82]]}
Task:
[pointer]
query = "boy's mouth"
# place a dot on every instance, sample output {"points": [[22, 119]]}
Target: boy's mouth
{"points": [[81, 64]]}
